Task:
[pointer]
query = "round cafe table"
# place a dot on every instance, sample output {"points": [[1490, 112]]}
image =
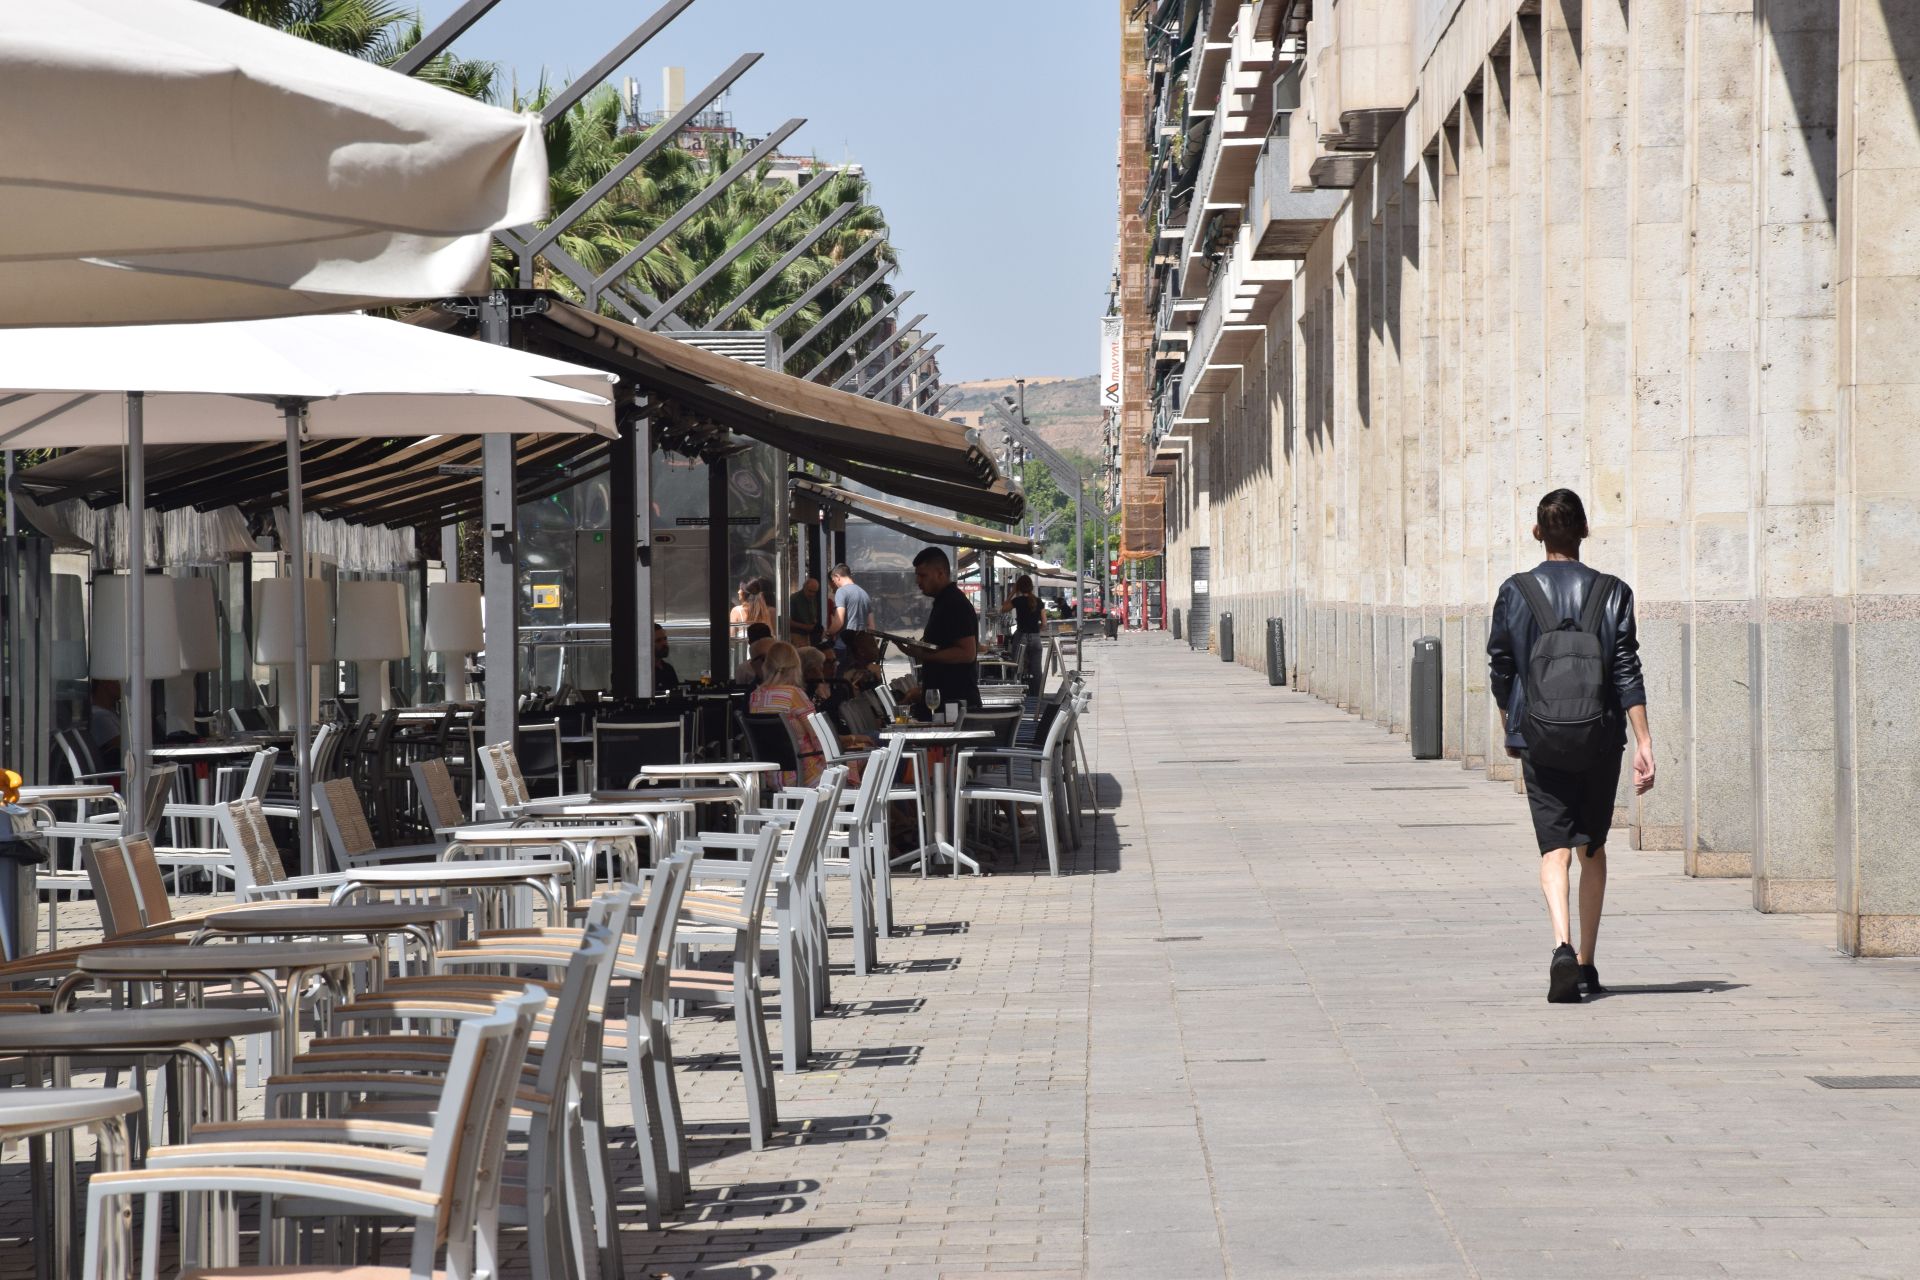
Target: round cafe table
{"points": [[377, 922], [665, 820], [745, 774], [253, 963], [926, 742], [32, 1115], [488, 880], [197, 1038], [581, 843]]}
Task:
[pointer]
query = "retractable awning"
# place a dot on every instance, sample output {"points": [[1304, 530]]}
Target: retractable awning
{"points": [[896, 451], [392, 482], [911, 521]]}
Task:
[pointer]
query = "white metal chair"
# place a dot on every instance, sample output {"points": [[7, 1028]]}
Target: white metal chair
{"points": [[857, 847], [443, 1179], [1041, 786], [350, 838]]}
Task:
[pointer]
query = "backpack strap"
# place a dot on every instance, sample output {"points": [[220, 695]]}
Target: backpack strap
{"points": [[1536, 598], [1597, 596]]}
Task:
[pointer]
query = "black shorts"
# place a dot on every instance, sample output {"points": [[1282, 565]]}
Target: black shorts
{"points": [[1572, 809]]}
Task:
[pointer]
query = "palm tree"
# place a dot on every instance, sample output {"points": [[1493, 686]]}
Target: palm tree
{"points": [[377, 31]]}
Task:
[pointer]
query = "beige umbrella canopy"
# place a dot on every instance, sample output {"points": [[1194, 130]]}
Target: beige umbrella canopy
{"points": [[166, 161]]}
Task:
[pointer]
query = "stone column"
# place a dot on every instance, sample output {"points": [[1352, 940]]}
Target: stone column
{"points": [[1413, 378], [1719, 816], [1469, 659], [1564, 311], [1425, 482], [1452, 456], [1795, 375], [1526, 181], [1877, 493], [1658, 545], [1497, 366]]}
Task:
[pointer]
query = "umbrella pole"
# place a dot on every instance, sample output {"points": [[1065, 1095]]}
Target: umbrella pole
{"points": [[295, 411], [135, 734]]}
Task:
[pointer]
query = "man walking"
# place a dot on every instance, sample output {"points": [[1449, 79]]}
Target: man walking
{"points": [[852, 607], [1564, 662], [803, 613]]}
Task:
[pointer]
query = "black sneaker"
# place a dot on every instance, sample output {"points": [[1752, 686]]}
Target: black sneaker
{"points": [[1563, 977], [1590, 981]]}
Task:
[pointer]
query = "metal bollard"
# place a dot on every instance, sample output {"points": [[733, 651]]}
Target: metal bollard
{"points": [[1176, 624], [1423, 717], [1276, 651], [1226, 637]]}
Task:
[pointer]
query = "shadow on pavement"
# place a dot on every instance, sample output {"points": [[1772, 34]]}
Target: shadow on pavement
{"points": [[1695, 988]]}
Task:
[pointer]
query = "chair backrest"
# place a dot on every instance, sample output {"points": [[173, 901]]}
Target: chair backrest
{"points": [[77, 752], [153, 805], [467, 1149], [256, 858], [885, 695], [828, 738], [882, 765], [588, 973], [620, 751], [249, 719], [1004, 725], [858, 713], [345, 820], [259, 774], [812, 823], [127, 887], [538, 754], [769, 739], [506, 789], [433, 782]]}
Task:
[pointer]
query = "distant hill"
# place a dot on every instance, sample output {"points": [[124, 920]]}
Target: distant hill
{"points": [[1065, 411]]}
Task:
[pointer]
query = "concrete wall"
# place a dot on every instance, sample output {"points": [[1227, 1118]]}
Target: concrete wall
{"points": [[1653, 253]]}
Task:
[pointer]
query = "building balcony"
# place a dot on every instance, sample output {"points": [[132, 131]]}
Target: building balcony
{"points": [[1285, 222], [1233, 325]]}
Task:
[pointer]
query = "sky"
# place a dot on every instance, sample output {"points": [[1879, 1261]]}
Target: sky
{"points": [[987, 128]]}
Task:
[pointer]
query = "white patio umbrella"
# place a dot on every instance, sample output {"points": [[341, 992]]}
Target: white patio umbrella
{"points": [[166, 161], [347, 376]]}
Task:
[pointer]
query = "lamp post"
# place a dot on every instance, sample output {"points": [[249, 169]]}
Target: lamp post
{"points": [[1064, 474]]}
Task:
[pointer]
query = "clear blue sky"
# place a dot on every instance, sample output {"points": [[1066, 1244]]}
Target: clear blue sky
{"points": [[987, 128]]}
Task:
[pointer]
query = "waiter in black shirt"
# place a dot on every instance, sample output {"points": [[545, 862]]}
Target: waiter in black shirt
{"points": [[949, 648]]}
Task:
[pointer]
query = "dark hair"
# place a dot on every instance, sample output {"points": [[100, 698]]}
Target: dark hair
{"points": [[933, 555], [840, 571], [1023, 584], [1562, 518], [758, 631]]}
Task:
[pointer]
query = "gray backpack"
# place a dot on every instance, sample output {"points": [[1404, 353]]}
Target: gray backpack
{"points": [[1566, 725]]}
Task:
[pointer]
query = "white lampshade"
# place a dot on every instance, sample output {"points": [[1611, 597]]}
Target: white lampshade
{"points": [[453, 618], [199, 625], [373, 622], [273, 622], [108, 635]]}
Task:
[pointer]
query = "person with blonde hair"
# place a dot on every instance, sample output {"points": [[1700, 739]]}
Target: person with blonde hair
{"points": [[781, 692]]}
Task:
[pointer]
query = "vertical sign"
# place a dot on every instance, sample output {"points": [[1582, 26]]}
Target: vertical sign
{"points": [[1112, 362]]}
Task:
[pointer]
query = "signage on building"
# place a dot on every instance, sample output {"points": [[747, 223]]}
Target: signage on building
{"points": [[1113, 362]]}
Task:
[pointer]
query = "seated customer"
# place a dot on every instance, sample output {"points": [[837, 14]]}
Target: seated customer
{"points": [[759, 640], [780, 693], [861, 670]]}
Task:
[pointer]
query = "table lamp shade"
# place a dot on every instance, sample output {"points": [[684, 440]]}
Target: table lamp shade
{"points": [[453, 618], [108, 636], [273, 622], [199, 624], [373, 622]]}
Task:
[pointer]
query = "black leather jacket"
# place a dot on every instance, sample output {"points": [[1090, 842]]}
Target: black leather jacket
{"points": [[1511, 634]]}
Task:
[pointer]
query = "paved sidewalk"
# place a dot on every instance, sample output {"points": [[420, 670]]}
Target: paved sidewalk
{"points": [[1285, 1017]]}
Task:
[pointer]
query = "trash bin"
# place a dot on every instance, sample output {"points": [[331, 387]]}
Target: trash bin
{"points": [[1423, 718], [23, 851], [1226, 637], [1176, 624], [1276, 651]]}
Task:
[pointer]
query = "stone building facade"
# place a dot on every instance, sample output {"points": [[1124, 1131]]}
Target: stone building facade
{"points": [[1446, 255]]}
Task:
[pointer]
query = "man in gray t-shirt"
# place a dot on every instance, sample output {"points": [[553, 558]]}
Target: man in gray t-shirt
{"points": [[852, 607]]}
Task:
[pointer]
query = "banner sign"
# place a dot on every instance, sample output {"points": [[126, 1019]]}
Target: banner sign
{"points": [[1113, 362]]}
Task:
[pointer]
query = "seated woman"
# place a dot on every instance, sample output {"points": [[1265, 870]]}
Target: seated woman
{"points": [[781, 691], [830, 694], [861, 670]]}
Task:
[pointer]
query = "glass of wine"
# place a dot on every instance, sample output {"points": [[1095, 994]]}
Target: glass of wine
{"points": [[933, 703]]}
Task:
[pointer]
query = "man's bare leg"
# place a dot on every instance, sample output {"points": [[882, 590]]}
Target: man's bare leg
{"points": [[1553, 883], [1593, 893]]}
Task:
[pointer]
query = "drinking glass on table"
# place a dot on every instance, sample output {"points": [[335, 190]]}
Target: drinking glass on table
{"points": [[933, 703]]}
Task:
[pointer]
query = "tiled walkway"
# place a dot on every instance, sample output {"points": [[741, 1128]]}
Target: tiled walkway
{"points": [[1285, 1018]]}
